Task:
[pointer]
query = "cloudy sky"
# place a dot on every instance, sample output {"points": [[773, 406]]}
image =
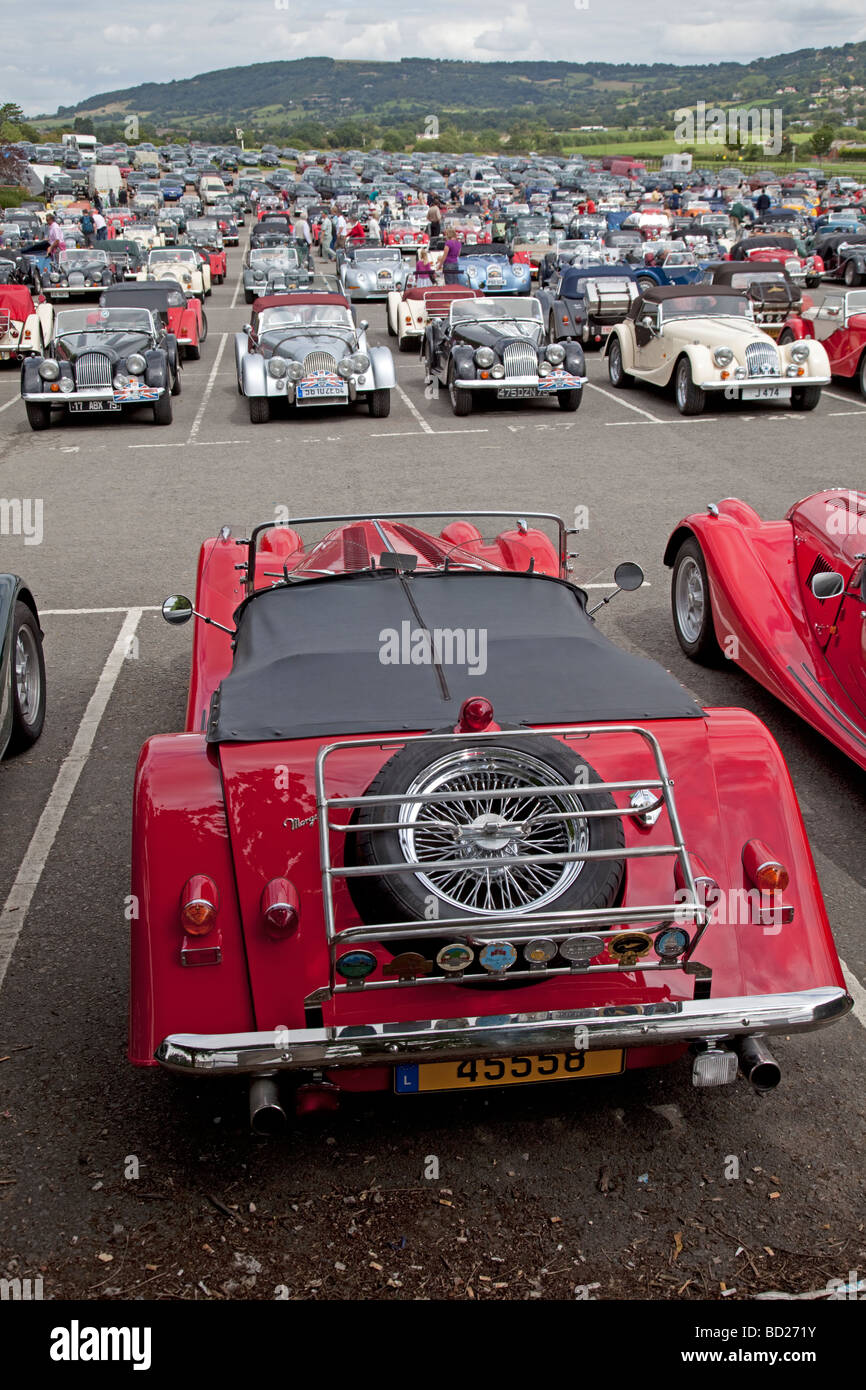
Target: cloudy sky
{"points": [[76, 50]]}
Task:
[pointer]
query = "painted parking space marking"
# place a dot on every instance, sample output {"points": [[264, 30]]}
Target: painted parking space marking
{"points": [[211, 382], [629, 405], [425, 425], [30, 872]]}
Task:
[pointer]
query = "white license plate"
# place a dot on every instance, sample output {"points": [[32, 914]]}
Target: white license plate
{"points": [[765, 393], [87, 406], [307, 393], [516, 393], [59, 294]]}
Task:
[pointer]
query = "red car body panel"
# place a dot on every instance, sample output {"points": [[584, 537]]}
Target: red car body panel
{"points": [[810, 654], [186, 322]]}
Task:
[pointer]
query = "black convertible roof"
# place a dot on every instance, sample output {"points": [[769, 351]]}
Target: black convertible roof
{"points": [[481, 248], [309, 658], [150, 294]]}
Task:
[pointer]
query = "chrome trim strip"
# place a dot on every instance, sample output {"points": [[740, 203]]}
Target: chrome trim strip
{"points": [[740, 382], [429, 1040]]}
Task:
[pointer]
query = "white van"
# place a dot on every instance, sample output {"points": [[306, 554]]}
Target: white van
{"points": [[212, 189], [103, 179]]}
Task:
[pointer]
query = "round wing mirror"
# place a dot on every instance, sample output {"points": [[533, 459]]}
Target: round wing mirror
{"points": [[364, 325], [628, 576], [177, 609], [828, 585], [648, 321]]}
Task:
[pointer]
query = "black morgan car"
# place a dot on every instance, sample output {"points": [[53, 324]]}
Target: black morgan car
{"points": [[100, 360], [500, 348], [844, 256], [585, 301]]}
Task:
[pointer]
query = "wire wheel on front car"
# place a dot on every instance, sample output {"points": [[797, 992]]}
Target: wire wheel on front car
{"points": [[690, 398], [691, 604], [28, 680], [461, 400], [500, 830], [619, 377], [851, 275]]}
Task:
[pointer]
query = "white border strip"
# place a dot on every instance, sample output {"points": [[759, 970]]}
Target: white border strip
{"points": [[425, 424], [27, 879]]}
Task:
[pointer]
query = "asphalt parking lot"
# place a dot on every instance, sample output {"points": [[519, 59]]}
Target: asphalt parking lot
{"points": [[115, 1183]]}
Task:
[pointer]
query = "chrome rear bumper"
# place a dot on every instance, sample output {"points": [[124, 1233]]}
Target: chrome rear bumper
{"points": [[436, 1040]]}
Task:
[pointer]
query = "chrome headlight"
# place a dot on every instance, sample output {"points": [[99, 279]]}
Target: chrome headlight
{"points": [[723, 356], [120, 381], [484, 357], [497, 371], [258, 275], [544, 369], [88, 280], [555, 354], [800, 352], [277, 367], [135, 364], [295, 371], [740, 373], [49, 370], [360, 362], [344, 368], [67, 384], [792, 371], [176, 300], [54, 277]]}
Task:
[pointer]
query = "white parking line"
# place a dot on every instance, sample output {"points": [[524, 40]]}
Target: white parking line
{"points": [[425, 425], [846, 400], [29, 874], [211, 382], [14, 401], [857, 993], [628, 404]]}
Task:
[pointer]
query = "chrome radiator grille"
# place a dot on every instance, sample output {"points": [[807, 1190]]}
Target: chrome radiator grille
{"points": [[520, 359], [762, 359], [319, 362], [93, 369]]}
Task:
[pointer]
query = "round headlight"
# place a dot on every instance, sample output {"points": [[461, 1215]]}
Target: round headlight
{"points": [[49, 370], [497, 371], [277, 367], [793, 371], [800, 352], [360, 362], [723, 356], [121, 381], [54, 277], [88, 280], [67, 384], [555, 354], [295, 370], [258, 274], [136, 364], [344, 368], [484, 357], [740, 373], [544, 369]]}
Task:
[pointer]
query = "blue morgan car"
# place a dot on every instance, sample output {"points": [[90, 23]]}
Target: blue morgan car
{"points": [[489, 269]]}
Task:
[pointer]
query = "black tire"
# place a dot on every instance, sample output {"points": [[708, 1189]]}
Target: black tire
{"points": [[644, 283], [27, 717], [260, 410], [461, 401], [249, 296], [805, 397], [861, 375], [407, 897], [552, 332], [619, 377], [392, 332], [193, 352], [202, 337], [379, 403], [176, 382], [569, 400], [697, 636], [405, 345], [690, 399], [851, 274], [162, 411], [786, 336], [38, 415]]}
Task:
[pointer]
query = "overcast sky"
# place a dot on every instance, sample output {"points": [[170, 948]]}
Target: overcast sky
{"points": [[73, 51]]}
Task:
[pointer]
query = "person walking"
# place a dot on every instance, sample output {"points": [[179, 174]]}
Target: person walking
{"points": [[87, 227], [56, 244], [100, 226], [326, 235], [452, 260], [762, 203]]}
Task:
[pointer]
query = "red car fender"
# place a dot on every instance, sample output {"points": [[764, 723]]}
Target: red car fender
{"points": [[800, 327], [761, 621], [179, 829], [218, 592]]}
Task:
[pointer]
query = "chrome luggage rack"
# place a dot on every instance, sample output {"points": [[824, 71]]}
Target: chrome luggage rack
{"points": [[519, 929]]}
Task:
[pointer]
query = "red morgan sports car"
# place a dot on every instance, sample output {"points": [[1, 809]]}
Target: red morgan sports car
{"points": [[839, 322], [785, 600], [428, 829], [406, 235], [181, 313]]}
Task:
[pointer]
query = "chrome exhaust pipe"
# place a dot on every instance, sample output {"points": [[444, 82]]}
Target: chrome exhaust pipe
{"points": [[267, 1116], [758, 1064]]}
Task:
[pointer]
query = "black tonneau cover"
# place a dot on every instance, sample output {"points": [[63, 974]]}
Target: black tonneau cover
{"points": [[309, 659]]}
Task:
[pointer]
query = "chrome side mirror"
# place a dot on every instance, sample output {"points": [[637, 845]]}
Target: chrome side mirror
{"points": [[828, 585], [177, 609], [364, 325], [648, 322], [628, 576]]}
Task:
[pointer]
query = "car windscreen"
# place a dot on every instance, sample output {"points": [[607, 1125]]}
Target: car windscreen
{"points": [[706, 305], [85, 257], [289, 316], [377, 253], [855, 302], [274, 255], [316, 658], [102, 321]]}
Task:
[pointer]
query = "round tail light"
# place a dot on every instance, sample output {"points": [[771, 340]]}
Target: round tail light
{"points": [[199, 905], [280, 907]]}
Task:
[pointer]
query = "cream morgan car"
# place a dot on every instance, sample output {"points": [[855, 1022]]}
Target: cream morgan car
{"points": [[180, 263], [702, 338]]}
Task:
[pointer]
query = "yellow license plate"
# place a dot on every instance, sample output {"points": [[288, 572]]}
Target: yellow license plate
{"points": [[413, 1078]]}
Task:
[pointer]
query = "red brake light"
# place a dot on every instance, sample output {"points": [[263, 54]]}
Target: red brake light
{"points": [[199, 905], [763, 868], [280, 907], [476, 714]]}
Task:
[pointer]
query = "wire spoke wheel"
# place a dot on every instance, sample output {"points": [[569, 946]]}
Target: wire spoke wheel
{"points": [[690, 599], [501, 829], [28, 677]]}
